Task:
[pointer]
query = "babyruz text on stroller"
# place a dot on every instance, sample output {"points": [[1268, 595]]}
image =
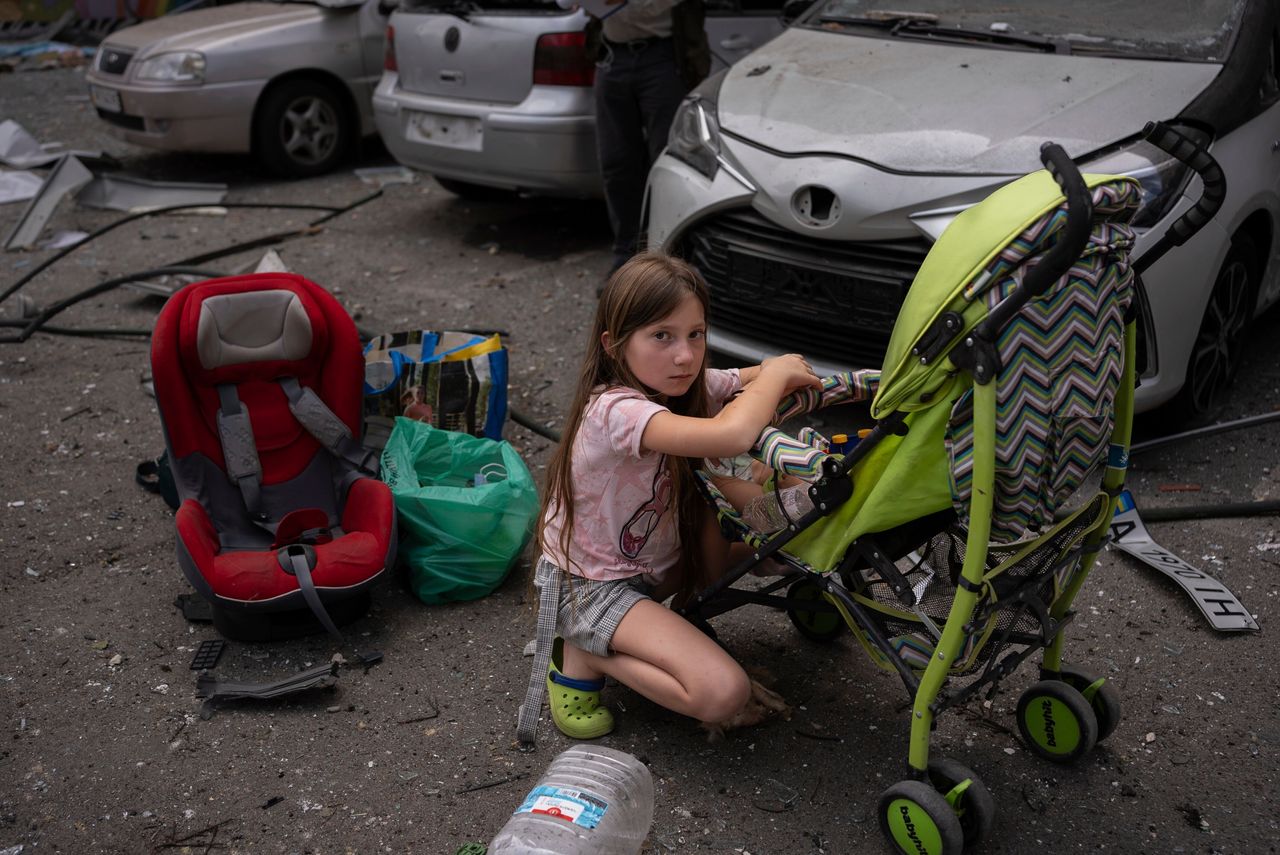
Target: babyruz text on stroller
{"points": [[952, 539]]}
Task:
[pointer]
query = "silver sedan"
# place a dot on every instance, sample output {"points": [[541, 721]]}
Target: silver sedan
{"points": [[289, 82]]}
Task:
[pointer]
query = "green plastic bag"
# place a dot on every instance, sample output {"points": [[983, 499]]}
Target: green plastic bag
{"points": [[466, 505]]}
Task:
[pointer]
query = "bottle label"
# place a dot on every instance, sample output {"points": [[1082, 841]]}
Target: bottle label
{"points": [[574, 806]]}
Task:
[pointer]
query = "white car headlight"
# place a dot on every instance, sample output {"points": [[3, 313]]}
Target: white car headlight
{"points": [[184, 66], [695, 136], [1161, 175]]}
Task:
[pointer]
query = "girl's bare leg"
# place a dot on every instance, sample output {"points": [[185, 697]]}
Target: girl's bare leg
{"points": [[665, 658]]}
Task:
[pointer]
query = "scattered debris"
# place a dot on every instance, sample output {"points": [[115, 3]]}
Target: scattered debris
{"points": [[214, 690], [19, 149], [59, 240], [67, 176], [116, 192], [381, 176], [1219, 605], [495, 783], [435, 711], [18, 186], [1179, 488], [208, 654]]}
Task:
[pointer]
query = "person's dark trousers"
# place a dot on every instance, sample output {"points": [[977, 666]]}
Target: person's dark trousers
{"points": [[637, 91]]}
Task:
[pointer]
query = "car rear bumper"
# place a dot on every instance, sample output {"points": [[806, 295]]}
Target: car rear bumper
{"points": [[545, 144], [212, 117]]}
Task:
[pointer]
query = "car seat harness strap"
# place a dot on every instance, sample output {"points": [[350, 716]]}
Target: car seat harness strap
{"points": [[239, 450], [298, 559], [329, 430]]}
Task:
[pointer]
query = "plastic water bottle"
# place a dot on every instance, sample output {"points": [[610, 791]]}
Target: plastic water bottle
{"points": [[590, 801]]}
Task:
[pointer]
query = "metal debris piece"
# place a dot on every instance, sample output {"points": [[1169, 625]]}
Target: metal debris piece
{"points": [[384, 175], [66, 177], [18, 186], [214, 690], [1219, 605], [126, 193], [19, 149]]}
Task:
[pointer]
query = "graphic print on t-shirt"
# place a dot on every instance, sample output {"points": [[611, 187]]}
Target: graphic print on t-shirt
{"points": [[635, 534]]}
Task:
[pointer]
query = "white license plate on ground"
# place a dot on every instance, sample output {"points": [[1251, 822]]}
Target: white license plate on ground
{"points": [[451, 131], [105, 99]]}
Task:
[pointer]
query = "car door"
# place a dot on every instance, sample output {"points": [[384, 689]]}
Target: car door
{"points": [[737, 27]]}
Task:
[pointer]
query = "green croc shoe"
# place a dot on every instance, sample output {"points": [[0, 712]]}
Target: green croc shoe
{"points": [[575, 704]]}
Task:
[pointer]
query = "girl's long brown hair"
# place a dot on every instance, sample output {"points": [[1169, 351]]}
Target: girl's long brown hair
{"points": [[643, 291]]}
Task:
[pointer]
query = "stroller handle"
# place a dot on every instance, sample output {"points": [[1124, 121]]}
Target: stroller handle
{"points": [[1197, 157], [1058, 260]]}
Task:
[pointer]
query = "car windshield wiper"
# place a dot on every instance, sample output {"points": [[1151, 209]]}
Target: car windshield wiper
{"points": [[915, 28], [879, 19], [924, 25]]}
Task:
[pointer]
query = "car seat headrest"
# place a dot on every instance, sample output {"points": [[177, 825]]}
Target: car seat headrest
{"points": [[254, 326]]}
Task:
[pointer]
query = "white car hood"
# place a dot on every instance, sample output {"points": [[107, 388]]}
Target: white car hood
{"points": [[932, 108], [202, 28]]}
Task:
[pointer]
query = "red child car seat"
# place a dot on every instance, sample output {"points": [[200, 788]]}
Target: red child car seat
{"points": [[281, 527]]}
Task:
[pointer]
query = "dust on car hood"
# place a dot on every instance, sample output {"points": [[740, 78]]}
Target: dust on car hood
{"points": [[933, 108], [203, 27]]}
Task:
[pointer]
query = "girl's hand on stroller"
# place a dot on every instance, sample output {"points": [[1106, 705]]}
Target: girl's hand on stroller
{"points": [[793, 370]]}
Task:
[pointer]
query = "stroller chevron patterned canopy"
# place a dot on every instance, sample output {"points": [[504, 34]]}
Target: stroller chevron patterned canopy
{"points": [[952, 540]]}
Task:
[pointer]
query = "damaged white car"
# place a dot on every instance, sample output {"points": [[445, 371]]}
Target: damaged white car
{"points": [[809, 181]]}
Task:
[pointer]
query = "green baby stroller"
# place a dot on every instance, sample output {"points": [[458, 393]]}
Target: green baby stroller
{"points": [[952, 540]]}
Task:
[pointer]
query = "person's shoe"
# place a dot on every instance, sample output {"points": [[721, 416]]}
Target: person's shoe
{"points": [[575, 704]]}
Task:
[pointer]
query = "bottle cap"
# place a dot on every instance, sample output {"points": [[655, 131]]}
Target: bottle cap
{"points": [[839, 438]]}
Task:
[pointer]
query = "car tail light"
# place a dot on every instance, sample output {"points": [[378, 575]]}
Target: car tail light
{"points": [[389, 53], [560, 59]]}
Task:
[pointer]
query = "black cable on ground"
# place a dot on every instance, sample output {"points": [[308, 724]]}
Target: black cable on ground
{"points": [[85, 332], [63, 253], [187, 265], [29, 326], [1203, 512], [1208, 430], [537, 427]]}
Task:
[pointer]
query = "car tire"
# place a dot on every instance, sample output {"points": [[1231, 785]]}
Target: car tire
{"points": [[303, 128], [1222, 339], [475, 192]]}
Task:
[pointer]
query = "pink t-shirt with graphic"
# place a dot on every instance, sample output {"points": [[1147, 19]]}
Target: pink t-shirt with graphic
{"points": [[623, 525]]}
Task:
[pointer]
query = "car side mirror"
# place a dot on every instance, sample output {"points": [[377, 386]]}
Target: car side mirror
{"points": [[793, 9]]}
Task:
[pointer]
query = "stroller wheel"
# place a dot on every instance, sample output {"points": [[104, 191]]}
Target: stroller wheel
{"points": [[1104, 698], [823, 623], [973, 805], [1056, 722], [915, 818]]}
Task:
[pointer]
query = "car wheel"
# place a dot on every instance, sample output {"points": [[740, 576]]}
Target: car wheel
{"points": [[475, 192], [1220, 344], [303, 128]]}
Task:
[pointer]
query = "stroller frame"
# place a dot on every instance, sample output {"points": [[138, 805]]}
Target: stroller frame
{"points": [[942, 806]]}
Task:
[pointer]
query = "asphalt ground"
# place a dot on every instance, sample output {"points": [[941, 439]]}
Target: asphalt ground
{"points": [[107, 750]]}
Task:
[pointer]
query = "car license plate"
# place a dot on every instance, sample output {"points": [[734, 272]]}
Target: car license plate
{"points": [[450, 131], [105, 99]]}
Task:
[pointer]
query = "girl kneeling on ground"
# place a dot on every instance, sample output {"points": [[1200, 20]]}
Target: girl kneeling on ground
{"points": [[623, 526]]}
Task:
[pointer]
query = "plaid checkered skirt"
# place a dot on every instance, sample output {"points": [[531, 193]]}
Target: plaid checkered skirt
{"points": [[585, 613]]}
